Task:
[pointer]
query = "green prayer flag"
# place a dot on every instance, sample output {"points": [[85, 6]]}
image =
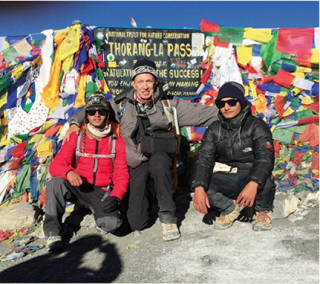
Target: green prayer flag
{"points": [[269, 53], [23, 181], [90, 88], [275, 67], [232, 35], [295, 101], [303, 114], [283, 136], [4, 83]]}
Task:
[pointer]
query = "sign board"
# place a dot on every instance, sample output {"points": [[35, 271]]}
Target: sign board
{"points": [[176, 52]]}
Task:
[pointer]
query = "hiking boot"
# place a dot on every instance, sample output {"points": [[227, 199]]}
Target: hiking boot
{"points": [[54, 243], [263, 221], [170, 231], [226, 221]]}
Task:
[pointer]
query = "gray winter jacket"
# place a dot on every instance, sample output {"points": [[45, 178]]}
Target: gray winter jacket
{"points": [[189, 114]]}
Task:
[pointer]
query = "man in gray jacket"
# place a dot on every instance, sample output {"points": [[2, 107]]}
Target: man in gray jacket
{"points": [[142, 110]]}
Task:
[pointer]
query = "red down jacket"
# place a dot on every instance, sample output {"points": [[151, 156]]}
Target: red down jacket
{"points": [[63, 163]]}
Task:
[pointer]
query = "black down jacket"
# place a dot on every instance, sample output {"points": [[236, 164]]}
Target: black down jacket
{"points": [[244, 142]]}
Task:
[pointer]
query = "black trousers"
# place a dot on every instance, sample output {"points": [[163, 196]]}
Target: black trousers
{"points": [[159, 168], [225, 187], [59, 191]]}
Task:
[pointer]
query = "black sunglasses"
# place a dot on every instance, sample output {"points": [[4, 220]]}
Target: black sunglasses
{"points": [[221, 104], [101, 111]]}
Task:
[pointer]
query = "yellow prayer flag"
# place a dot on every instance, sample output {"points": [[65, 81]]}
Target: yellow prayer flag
{"points": [[212, 50], [46, 126], [16, 139], [71, 43], [105, 88], [3, 100], [36, 138], [253, 89], [246, 88], [4, 141], [80, 99], [298, 74], [278, 172], [17, 72], [260, 35], [22, 47], [50, 93], [303, 69], [44, 146], [296, 91], [315, 55], [261, 103], [288, 111], [67, 64], [244, 54], [306, 100]]}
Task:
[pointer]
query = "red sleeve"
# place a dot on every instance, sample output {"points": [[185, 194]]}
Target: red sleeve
{"points": [[120, 172], [62, 162]]}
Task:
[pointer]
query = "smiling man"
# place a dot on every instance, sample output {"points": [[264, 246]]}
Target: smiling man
{"points": [[89, 169], [233, 168]]}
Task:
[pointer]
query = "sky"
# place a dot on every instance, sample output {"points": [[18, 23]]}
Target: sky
{"points": [[29, 17]]}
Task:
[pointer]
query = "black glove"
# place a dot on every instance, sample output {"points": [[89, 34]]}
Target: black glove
{"points": [[110, 204]]}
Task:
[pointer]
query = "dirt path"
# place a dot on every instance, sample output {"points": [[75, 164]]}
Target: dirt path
{"points": [[287, 254]]}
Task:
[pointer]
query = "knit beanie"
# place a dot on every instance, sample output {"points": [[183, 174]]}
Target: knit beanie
{"points": [[232, 90], [144, 66], [97, 99]]}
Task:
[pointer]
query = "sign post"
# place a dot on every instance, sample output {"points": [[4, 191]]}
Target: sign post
{"points": [[176, 52]]}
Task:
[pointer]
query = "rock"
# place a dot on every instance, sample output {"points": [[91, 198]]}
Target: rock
{"points": [[284, 205], [17, 216], [88, 221]]}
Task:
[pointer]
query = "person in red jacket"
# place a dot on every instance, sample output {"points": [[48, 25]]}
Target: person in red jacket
{"points": [[88, 172]]}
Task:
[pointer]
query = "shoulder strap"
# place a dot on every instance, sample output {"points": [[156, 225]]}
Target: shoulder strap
{"points": [[113, 140], [171, 113], [78, 149], [122, 106]]}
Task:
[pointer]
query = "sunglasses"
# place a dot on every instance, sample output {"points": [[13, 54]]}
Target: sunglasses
{"points": [[221, 104], [93, 111]]}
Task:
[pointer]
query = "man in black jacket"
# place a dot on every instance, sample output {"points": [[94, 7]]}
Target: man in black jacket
{"points": [[233, 168]]}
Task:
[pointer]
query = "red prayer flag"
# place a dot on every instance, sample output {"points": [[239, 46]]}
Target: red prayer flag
{"points": [[216, 42], [19, 150], [295, 40], [207, 26], [284, 78], [206, 74], [315, 163]]}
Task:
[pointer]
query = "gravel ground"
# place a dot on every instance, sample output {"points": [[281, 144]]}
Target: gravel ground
{"points": [[289, 253]]}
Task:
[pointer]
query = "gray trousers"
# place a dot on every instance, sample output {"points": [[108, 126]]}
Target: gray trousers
{"points": [[159, 167], [225, 187], [59, 191]]}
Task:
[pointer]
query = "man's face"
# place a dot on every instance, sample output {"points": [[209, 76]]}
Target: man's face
{"points": [[145, 85], [97, 117], [229, 111]]}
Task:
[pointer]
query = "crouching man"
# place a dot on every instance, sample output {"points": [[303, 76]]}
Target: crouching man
{"points": [[234, 164], [90, 169]]}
